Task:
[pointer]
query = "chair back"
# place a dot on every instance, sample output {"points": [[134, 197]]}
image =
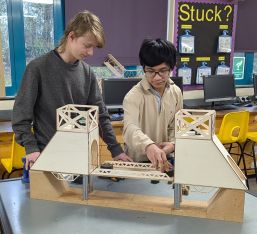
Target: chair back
{"points": [[15, 159], [18, 152], [234, 127]]}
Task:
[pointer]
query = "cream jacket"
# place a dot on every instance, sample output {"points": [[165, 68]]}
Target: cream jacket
{"points": [[144, 124]]}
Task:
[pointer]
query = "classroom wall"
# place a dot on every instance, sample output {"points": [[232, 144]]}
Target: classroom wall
{"points": [[126, 24], [246, 33], [132, 25]]}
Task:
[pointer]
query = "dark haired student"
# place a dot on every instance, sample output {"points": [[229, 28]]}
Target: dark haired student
{"points": [[151, 105]]}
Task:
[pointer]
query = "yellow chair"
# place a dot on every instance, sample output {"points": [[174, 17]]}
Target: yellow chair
{"points": [[15, 161], [233, 130], [251, 137]]}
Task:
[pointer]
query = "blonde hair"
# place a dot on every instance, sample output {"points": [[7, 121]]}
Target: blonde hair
{"points": [[84, 22]]}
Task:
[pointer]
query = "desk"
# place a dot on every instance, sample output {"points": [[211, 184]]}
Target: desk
{"points": [[29, 216], [6, 107], [6, 127]]}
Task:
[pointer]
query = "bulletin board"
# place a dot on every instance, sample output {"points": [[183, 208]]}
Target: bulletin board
{"points": [[206, 21]]}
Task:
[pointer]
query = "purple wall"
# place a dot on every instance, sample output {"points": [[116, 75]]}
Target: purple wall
{"points": [[246, 33], [126, 24]]}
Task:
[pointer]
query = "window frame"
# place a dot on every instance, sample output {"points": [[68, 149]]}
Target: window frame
{"points": [[17, 40]]}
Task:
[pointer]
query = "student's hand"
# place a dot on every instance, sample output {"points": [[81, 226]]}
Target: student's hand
{"points": [[156, 156], [167, 166], [123, 157], [30, 159], [167, 147]]}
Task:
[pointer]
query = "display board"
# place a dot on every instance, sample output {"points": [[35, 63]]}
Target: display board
{"points": [[205, 21]]}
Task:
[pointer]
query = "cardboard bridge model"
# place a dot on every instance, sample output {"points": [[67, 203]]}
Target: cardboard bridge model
{"points": [[200, 160]]}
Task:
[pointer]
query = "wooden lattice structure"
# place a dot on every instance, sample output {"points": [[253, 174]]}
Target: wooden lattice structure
{"points": [[119, 70], [74, 151], [197, 123], [202, 160], [114, 66], [77, 133], [77, 118]]}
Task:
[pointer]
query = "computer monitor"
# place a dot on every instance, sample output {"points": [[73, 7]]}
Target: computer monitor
{"points": [[255, 85], [115, 89], [219, 88], [178, 81]]}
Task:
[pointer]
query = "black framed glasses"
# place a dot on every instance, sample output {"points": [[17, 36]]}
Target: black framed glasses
{"points": [[163, 73]]}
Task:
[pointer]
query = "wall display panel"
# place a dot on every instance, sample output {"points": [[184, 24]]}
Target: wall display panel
{"points": [[126, 23], [206, 21]]}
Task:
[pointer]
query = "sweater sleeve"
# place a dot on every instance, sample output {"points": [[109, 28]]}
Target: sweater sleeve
{"points": [[24, 108], [179, 106], [132, 132], [105, 126]]}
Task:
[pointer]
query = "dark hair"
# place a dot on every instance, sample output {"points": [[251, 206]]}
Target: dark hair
{"points": [[156, 52]]}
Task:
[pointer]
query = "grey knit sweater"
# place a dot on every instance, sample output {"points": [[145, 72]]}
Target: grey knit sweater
{"points": [[48, 84]]}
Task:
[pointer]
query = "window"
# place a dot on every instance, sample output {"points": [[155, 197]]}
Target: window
{"points": [[29, 29], [4, 35], [38, 27]]}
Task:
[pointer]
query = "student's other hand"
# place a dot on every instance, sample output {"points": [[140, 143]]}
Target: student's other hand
{"points": [[30, 159], [167, 147], [156, 156], [123, 157], [167, 166]]}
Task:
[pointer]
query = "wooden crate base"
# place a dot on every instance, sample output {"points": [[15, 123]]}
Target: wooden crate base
{"points": [[226, 204]]}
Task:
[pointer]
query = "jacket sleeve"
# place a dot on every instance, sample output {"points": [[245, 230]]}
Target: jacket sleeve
{"points": [[23, 110], [179, 105], [132, 132], [105, 126]]}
